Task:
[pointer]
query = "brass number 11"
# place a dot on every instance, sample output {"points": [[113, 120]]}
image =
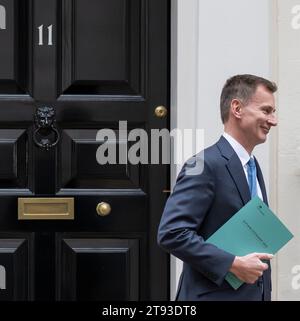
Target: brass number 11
{"points": [[41, 35]]}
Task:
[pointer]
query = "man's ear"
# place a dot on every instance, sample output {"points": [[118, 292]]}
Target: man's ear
{"points": [[236, 108]]}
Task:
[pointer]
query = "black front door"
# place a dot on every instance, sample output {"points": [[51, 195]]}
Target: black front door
{"points": [[77, 76]]}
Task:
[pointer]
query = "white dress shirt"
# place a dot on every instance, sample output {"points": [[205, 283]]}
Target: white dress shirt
{"points": [[244, 158]]}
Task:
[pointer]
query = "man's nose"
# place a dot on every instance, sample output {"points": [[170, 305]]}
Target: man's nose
{"points": [[272, 120]]}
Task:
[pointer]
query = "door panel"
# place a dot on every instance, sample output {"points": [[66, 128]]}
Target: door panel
{"points": [[13, 151], [14, 268], [80, 169], [13, 69], [101, 269], [96, 63]]}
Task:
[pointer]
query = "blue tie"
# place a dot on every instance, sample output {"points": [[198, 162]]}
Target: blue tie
{"points": [[251, 171]]}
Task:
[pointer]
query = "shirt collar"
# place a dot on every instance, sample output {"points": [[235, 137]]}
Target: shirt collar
{"points": [[238, 148]]}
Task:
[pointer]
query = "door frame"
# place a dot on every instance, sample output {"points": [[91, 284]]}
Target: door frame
{"points": [[184, 84]]}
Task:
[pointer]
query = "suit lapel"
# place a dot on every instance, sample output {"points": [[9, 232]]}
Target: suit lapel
{"points": [[237, 173], [235, 169]]}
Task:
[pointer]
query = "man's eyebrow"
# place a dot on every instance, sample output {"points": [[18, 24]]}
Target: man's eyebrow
{"points": [[268, 107]]}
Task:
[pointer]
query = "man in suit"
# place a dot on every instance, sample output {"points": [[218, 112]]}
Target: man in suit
{"points": [[203, 200]]}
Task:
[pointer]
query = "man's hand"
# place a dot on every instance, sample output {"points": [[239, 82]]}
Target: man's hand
{"points": [[249, 268]]}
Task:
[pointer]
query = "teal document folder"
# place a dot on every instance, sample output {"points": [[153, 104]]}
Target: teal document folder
{"points": [[254, 228]]}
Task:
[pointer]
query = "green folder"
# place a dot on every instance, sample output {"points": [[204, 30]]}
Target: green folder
{"points": [[254, 228]]}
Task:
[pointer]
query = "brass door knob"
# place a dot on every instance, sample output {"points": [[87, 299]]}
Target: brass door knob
{"points": [[161, 111], [103, 209]]}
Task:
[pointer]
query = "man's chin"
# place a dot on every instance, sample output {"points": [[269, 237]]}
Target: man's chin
{"points": [[262, 140]]}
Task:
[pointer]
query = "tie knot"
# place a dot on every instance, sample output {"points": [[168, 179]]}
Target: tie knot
{"points": [[251, 162]]}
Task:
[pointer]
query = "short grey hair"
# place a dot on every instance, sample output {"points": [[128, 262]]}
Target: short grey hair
{"points": [[241, 87]]}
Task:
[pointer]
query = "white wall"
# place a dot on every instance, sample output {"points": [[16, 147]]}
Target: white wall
{"points": [[288, 152], [211, 41]]}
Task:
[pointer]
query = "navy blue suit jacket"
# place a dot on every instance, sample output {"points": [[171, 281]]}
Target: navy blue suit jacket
{"points": [[199, 205]]}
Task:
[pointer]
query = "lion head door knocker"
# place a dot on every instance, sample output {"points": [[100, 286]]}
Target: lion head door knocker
{"points": [[45, 134]]}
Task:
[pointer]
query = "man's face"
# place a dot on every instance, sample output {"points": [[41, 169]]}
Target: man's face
{"points": [[258, 116]]}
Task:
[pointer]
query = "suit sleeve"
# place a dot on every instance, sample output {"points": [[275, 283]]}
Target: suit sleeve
{"points": [[183, 215]]}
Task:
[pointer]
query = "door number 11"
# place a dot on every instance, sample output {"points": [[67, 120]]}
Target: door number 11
{"points": [[41, 35]]}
